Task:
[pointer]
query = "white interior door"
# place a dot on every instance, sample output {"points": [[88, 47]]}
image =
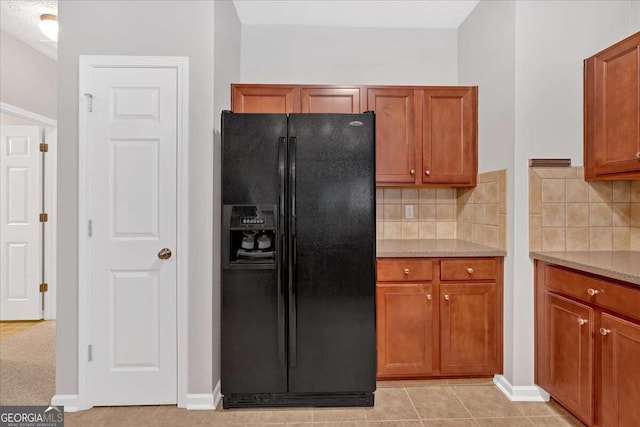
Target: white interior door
{"points": [[132, 143], [20, 230]]}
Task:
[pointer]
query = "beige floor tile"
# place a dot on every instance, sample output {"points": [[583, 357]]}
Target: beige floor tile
{"points": [[394, 424], [88, 418], [437, 402], [332, 414], [128, 416], [504, 422], [470, 381], [538, 409], [285, 416], [391, 404], [486, 402], [329, 424], [413, 383], [232, 416], [555, 421], [449, 423]]}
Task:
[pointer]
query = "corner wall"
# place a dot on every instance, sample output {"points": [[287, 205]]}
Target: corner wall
{"points": [[149, 28], [28, 78]]}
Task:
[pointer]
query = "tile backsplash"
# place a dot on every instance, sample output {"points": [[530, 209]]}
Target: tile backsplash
{"points": [[568, 213], [474, 214]]}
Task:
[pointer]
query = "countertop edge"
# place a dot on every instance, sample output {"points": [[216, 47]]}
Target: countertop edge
{"points": [[442, 254], [587, 268], [434, 248]]}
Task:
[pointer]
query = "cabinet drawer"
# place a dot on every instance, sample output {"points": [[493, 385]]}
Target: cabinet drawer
{"points": [[618, 298], [468, 269], [401, 269]]}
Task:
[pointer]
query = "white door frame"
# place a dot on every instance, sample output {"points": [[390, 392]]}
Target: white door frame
{"points": [[87, 63], [50, 189]]}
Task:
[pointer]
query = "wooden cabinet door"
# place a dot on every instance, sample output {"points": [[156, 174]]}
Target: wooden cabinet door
{"points": [[449, 136], [404, 329], [397, 127], [569, 354], [612, 103], [620, 395], [331, 100], [468, 329], [265, 99]]}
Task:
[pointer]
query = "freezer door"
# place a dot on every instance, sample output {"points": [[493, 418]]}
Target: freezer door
{"points": [[253, 300], [332, 247]]}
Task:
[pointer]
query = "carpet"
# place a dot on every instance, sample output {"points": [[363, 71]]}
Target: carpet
{"points": [[27, 366]]}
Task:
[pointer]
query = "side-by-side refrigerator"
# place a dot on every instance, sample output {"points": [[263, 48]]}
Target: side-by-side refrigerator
{"points": [[298, 260]]}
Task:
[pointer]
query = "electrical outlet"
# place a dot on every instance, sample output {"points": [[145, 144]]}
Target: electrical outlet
{"points": [[408, 211]]}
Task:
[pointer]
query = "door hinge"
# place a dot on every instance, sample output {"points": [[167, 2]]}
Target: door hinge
{"points": [[90, 228], [90, 353], [89, 102], [44, 217], [44, 287], [44, 147]]}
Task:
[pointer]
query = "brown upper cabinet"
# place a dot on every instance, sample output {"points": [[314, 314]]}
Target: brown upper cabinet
{"points": [[425, 136], [611, 112]]}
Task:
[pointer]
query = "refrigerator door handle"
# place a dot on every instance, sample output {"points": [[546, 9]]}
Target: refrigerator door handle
{"points": [[292, 254], [282, 253]]}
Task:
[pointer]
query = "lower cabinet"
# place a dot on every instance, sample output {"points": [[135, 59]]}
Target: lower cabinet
{"points": [[588, 345], [439, 317]]}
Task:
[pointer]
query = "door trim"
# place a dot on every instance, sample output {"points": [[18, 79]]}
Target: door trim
{"points": [[87, 63], [50, 132]]}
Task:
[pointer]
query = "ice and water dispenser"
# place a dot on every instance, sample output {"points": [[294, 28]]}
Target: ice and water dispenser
{"points": [[249, 236]]}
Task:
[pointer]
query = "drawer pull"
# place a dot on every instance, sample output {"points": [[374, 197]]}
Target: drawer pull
{"points": [[470, 270], [412, 171], [446, 297], [592, 291], [428, 297], [406, 271], [582, 321], [638, 155], [604, 331], [427, 172]]}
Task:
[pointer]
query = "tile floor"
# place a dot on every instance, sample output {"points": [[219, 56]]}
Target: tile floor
{"points": [[445, 403]]}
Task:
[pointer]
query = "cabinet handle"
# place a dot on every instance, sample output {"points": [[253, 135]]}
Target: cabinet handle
{"points": [[427, 172], [446, 297], [412, 171], [406, 271], [582, 321], [604, 331], [592, 291], [470, 270], [428, 297], [638, 155]]}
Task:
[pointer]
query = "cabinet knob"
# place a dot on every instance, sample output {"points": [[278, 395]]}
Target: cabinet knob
{"points": [[446, 297], [406, 271], [469, 270], [592, 291], [428, 297], [604, 331], [427, 172], [638, 155], [582, 321], [412, 171]]}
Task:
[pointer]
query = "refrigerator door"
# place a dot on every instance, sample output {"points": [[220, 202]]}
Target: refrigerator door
{"points": [[253, 304], [332, 246]]}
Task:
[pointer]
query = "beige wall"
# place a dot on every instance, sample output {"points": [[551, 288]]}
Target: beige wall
{"points": [[568, 213]]}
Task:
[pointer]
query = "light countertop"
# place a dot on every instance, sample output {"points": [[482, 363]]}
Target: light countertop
{"points": [[431, 248], [620, 265]]}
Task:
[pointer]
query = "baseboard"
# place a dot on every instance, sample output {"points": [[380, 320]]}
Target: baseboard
{"points": [[204, 401], [217, 395], [531, 393], [71, 402]]}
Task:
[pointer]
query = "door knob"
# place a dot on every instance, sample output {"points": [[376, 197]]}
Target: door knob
{"points": [[446, 297], [428, 297], [165, 253], [605, 331], [581, 321]]}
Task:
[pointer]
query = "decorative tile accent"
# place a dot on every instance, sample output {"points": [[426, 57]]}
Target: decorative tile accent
{"points": [[568, 213]]}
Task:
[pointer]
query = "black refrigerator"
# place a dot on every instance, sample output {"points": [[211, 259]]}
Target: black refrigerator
{"points": [[298, 260]]}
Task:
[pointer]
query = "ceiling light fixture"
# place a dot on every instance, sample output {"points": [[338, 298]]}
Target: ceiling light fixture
{"points": [[49, 26]]}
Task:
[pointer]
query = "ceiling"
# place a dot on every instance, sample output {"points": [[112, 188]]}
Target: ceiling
{"points": [[356, 13], [20, 18]]}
